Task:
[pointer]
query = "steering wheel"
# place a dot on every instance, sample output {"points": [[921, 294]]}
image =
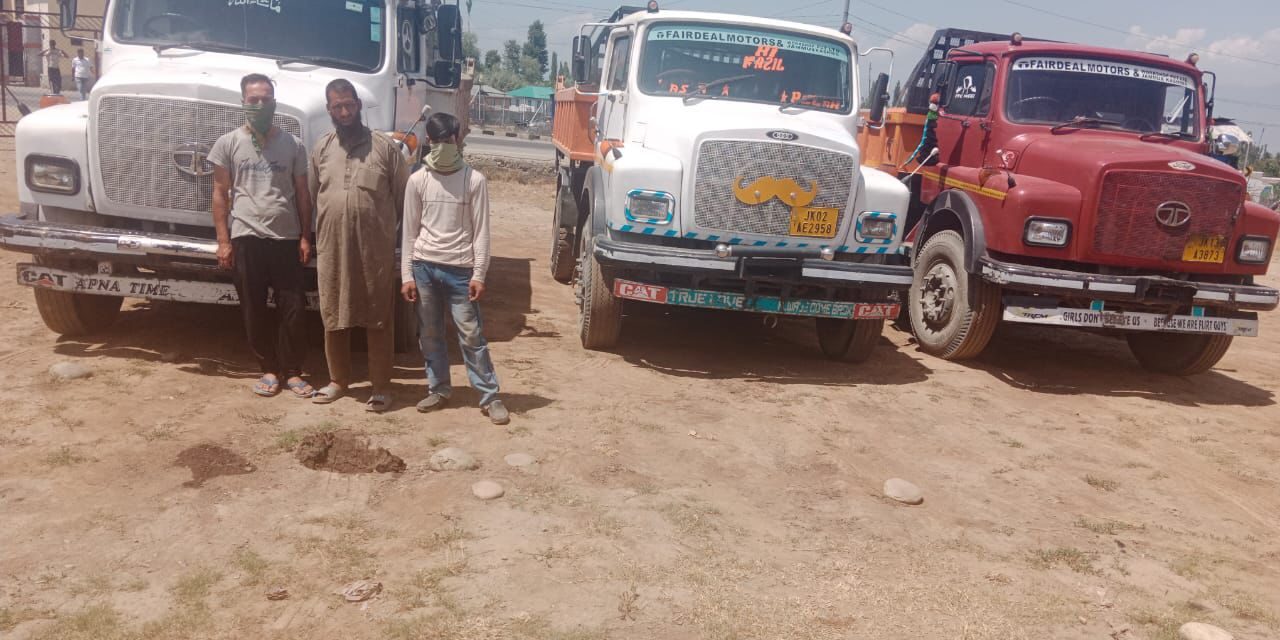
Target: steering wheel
{"points": [[149, 30], [664, 77], [1046, 100], [1139, 124]]}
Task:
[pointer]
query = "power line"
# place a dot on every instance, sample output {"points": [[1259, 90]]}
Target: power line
{"points": [[1136, 35], [1249, 104]]}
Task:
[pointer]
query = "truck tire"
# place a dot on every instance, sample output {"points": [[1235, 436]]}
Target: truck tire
{"points": [[76, 314], [848, 340], [951, 320], [600, 314], [1178, 354], [405, 325], [562, 264]]}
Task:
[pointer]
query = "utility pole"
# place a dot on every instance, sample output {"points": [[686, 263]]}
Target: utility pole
{"points": [[845, 20]]}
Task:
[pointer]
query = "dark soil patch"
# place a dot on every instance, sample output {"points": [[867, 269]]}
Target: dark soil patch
{"points": [[207, 461], [346, 452]]}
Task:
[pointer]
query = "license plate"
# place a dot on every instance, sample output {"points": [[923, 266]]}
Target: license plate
{"points": [[814, 222], [1204, 248], [760, 304], [1131, 321]]}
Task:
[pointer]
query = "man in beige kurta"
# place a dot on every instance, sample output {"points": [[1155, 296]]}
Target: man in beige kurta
{"points": [[357, 182]]}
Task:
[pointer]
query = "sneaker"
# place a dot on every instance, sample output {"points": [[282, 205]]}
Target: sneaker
{"points": [[497, 412], [432, 402]]}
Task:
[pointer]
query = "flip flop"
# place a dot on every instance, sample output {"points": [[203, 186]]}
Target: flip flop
{"points": [[298, 389], [267, 389], [328, 394], [378, 403]]}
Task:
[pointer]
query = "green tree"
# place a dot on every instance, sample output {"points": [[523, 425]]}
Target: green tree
{"points": [[531, 70], [536, 46], [555, 66], [898, 96], [501, 79], [470, 46], [492, 60], [511, 56], [565, 70]]}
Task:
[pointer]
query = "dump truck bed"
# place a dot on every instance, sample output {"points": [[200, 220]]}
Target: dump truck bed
{"points": [[571, 126]]}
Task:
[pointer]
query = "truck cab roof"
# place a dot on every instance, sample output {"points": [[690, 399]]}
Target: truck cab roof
{"points": [[1033, 47], [641, 16]]}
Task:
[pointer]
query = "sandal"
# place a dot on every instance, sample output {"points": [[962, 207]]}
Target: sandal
{"points": [[301, 388], [328, 393], [378, 403], [268, 386]]}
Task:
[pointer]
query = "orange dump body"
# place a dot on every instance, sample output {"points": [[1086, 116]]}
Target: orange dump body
{"points": [[888, 147], [571, 128]]}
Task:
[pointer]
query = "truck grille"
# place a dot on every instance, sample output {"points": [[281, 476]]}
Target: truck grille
{"points": [[720, 162], [137, 138], [1127, 226]]}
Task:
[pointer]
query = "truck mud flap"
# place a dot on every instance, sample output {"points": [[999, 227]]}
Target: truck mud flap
{"points": [[150, 288], [706, 299], [1099, 317]]}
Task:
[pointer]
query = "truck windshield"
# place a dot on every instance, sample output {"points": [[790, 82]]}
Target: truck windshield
{"points": [[750, 65], [1054, 90], [341, 33]]}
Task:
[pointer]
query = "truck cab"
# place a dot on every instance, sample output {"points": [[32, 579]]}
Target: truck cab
{"points": [[710, 160], [115, 192], [1071, 185]]}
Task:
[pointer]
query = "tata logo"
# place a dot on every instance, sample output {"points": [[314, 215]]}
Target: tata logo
{"points": [[193, 160], [783, 136], [1173, 214], [767, 188]]}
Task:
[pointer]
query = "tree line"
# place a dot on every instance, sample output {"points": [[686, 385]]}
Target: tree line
{"points": [[516, 64]]}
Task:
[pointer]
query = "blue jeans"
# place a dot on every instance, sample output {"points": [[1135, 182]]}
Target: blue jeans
{"points": [[443, 288]]}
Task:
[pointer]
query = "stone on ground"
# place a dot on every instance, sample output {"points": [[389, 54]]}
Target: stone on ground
{"points": [[487, 490], [1202, 631], [452, 459], [902, 491], [64, 371], [519, 459]]}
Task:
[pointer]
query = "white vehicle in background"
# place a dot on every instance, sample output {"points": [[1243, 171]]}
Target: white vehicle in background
{"points": [[115, 192], [711, 160]]}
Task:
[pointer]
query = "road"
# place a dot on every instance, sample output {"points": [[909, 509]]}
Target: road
{"points": [[519, 148]]}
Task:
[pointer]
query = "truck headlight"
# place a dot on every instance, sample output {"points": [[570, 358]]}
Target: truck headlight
{"points": [[1042, 232], [53, 174], [653, 207], [1254, 250], [876, 226]]}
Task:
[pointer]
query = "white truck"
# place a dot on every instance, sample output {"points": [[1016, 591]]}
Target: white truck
{"points": [[115, 192], [710, 160]]}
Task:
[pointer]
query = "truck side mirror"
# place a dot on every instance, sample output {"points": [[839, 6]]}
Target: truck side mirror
{"points": [[449, 32], [581, 54], [879, 99], [445, 74], [67, 14]]}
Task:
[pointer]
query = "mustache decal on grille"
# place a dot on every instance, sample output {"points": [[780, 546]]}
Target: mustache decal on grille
{"points": [[767, 188]]}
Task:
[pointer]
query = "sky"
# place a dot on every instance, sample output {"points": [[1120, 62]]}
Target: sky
{"points": [[1241, 45]]}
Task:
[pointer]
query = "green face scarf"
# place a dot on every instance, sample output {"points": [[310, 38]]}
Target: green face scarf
{"points": [[259, 117], [445, 157]]}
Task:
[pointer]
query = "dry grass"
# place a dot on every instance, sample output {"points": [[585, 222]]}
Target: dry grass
{"points": [[194, 587], [1106, 527], [98, 622], [448, 538], [253, 418], [12, 617], [1073, 559], [346, 556], [692, 519], [1101, 484], [63, 457], [254, 566], [1247, 607], [1012, 443]]}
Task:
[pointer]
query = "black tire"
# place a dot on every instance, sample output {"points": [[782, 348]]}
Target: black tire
{"points": [[405, 325], [599, 313], [848, 340], [562, 241], [1178, 354], [77, 314], [949, 319]]}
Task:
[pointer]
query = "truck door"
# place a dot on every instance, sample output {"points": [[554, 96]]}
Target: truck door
{"points": [[964, 131], [612, 120]]}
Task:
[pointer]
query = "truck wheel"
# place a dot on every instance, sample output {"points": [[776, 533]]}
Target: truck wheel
{"points": [[951, 320], [76, 314], [405, 325], [1178, 354], [848, 340], [562, 264], [600, 314]]}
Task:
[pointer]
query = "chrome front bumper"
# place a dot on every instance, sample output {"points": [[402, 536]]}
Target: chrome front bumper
{"points": [[35, 237]]}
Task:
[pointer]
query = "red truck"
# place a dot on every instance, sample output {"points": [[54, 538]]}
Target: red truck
{"points": [[1069, 185]]}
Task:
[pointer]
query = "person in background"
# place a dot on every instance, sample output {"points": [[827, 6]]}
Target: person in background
{"points": [[357, 181], [444, 253], [82, 73], [262, 216], [54, 57]]}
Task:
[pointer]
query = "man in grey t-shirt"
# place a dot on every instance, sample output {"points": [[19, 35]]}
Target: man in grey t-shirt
{"points": [[262, 215]]}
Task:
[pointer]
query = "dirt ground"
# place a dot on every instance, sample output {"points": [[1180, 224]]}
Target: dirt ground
{"points": [[714, 478]]}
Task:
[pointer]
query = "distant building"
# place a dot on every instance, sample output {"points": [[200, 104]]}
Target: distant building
{"points": [[533, 99]]}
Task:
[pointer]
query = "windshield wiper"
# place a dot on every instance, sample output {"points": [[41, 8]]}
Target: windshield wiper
{"points": [[322, 61], [704, 91], [1160, 134], [204, 45], [1081, 121]]}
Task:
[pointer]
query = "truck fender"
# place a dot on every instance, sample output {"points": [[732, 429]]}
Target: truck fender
{"points": [[594, 185], [955, 210]]}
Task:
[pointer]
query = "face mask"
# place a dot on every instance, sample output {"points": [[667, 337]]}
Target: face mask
{"points": [[259, 117], [444, 156]]}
